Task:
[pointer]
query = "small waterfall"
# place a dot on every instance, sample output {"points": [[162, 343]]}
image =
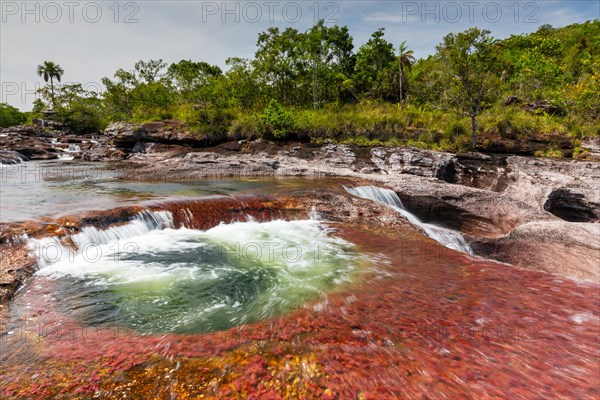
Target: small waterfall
{"points": [[314, 215], [11, 158], [11, 162], [73, 148], [54, 249], [446, 237]]}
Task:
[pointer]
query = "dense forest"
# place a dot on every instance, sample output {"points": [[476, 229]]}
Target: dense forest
{"points": [[315, 85]]}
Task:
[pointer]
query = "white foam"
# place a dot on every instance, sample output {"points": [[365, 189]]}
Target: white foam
{"points": [[290, 246], [581, 318], [56, 250]]}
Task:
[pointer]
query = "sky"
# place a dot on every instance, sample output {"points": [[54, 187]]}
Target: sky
{"points": [[92, 39]]}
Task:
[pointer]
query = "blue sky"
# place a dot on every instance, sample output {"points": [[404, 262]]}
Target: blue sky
{"points": [[91, 40]]}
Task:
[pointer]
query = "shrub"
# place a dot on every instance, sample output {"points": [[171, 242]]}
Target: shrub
{"points": [[549, 153], [455, 128], [580, 153], [11, 116], [276, 122], [82, 117], [244, 126]]}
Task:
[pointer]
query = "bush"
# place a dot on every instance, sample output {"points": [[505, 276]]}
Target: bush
{"points": [[244, 126], [276, 122], [81, 117], [456, 128], [549, 153], [11, 116]]}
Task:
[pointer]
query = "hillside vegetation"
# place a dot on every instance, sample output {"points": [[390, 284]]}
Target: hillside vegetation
{"points": [[475, 91]]}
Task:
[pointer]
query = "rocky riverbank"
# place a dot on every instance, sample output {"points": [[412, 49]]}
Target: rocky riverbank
{"points": [[119, 141], [533, 213]]}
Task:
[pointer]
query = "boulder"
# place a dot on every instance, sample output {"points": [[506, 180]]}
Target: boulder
{"points": [[120, 128], [559, 247], [11, 157], [127, 136], [102, 153], [592, 146], [572, 206]]}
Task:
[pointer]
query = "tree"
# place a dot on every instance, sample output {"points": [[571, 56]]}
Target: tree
{"points": [[194, 81], [469, 59], [149, 71], [241, 83], [142, 94], [277, 60], [427, 81], [79, 110], [328, 53], [118, 95], [49, 70], [405, 60], [190, 78], [373, 66]]}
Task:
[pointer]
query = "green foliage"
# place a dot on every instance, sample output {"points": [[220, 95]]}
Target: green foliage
{"points": [[314, 84], [149, 71], [550, 153], [327, 61], [83, 116], [374, 67], [151, 102], [276, 122], [244, 126], [469, 59], [242, 85], [514, 123], [277, 61], [11, 116], [78, 110], [192, 80]]}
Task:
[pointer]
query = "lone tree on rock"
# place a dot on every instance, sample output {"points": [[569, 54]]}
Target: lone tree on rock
{"points": [[472, 82], [50, 70]]}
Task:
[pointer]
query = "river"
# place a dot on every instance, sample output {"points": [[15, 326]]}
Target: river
{"points": [[276, 307]]}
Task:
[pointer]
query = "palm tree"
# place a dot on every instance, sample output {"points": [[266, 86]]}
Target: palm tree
{"points": [[405, 59], [49, 71]]}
